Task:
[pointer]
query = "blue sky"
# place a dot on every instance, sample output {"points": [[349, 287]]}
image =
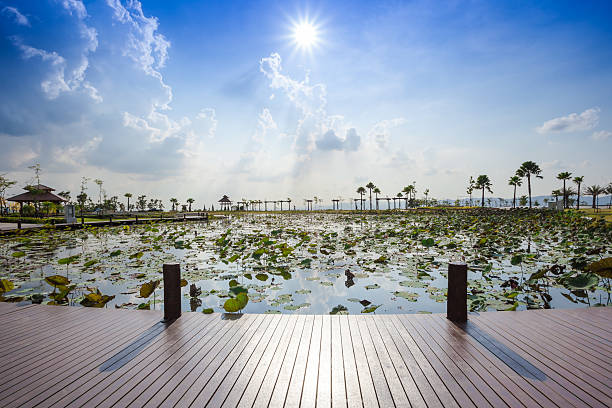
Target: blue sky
{"points": [[200, 99]]}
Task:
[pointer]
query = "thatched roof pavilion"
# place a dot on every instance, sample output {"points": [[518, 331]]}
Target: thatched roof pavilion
{"points": [[226, 203], [36, 194]]}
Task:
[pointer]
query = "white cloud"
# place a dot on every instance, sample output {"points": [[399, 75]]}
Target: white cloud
{"points": [[19, 18], [145, 46], [75, 155], [316, 129], [381, 131], [601, 135], [209, 115], [58, 81], [571, 123]]}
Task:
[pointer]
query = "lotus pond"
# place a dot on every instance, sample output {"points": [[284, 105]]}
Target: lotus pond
{"points": [[320, 262]]}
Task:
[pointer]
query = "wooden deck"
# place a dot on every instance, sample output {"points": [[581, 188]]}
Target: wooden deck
{"points": [[73, 357]]}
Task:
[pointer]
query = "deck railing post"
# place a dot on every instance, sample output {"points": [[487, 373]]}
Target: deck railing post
{"points": [[172, 292], [456, 303]]}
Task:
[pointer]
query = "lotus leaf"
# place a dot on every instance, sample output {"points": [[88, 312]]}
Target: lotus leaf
{"points": [[148, 288], [602, 268], [581, 281]]}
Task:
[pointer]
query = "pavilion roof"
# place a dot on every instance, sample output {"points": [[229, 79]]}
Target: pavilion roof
{"points": [[225, 199], [30, 197], [40, 187]]}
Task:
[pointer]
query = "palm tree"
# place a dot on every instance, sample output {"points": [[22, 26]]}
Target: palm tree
{"points": [[528, 169], [190, 201], [174, 202], [556, 194], [594, 191], [376, 192], [514, 181], [408, 193], [99, 183], [483, 182], [426, 193], [578, 181], [361, 191], [565, 175], [399, 198], [128, 196], [370, 186], [470, 188]]}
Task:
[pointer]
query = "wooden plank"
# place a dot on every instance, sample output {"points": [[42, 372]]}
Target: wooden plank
{"points": [[366, 382], [324, 384], [181, 374], [108, 392], [351, 377], [531, 392], [560, 354], [423, 374], [456, 347], [46, 387], [582, 328], [291, 378], [309, 391], [427, 358], [173, 391], [206, 385], [400, 399], [479, 392], [572, 348], [383, 393], [338, 385], [264, 378], [23, 373], [235, 383], [379, 331], [101, 378], [551, 369]]}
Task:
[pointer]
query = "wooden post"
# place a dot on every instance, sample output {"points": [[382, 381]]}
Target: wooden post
{"points": [[19, 224], [136, 222], [456, 303], [172, 292]]}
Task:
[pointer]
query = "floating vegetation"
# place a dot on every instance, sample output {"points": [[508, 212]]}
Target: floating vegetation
{"points": [[319, 262]]}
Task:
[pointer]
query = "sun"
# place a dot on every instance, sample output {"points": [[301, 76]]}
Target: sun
{"points": [[305, 35]]}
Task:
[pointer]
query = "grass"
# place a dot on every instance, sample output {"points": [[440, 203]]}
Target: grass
{"points": [[600, 213]]}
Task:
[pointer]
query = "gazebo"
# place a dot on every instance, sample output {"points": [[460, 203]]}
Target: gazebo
{"points": [[36, 194], [226, 203]]}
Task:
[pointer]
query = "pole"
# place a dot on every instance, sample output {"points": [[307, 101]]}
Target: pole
{"points": [[172, 292], [456, 304]]}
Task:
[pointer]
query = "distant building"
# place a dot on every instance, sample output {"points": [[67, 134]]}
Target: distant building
{"points": [[36, 194], [226, 203]]}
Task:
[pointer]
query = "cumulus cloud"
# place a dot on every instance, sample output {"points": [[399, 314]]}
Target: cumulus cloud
{"points": [[58, 79], [19, 18], [330, 141], [75, 155], [571, 123], [381, 131], [316, 129], [145, 46], [601, 135]]}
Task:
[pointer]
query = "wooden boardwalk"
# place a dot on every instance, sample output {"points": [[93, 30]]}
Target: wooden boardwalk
{"points": [[80, 357]]}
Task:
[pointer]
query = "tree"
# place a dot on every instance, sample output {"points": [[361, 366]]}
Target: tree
{"points": [[564, 176], [409, 191], [556, 194], [523, 201], [609, 191], [399, 199], [376, 192], [483, 182], [514, 181], [128, 196], [65, 195], [361, 191], [578, 181], [99, 183], [190, 201], [426, 193], [594, 191], [470, 188], [4, 185], [142, 202], [174, 202], [370, 186], [528, 169]]}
